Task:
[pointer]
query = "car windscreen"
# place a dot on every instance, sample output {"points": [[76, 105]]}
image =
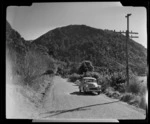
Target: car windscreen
{"points": [[90, 80]]}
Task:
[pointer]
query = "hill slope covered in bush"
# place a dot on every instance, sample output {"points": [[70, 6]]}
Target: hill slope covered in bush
{"points": [[28, 61], [104, 48]]}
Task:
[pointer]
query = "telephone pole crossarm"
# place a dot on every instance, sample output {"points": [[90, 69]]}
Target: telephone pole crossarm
{"points": [[134, 36], [127, 39], [133, 33]]}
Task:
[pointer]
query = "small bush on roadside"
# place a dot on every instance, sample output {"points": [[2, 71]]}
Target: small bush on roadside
{"points": [[134, 86], [143, 103], [136, 100], [116, 94], [143, 88], [117, 81], [112, 93], [109, 91], [104, 81], [127, 97], [74, 77], [93, 74]]}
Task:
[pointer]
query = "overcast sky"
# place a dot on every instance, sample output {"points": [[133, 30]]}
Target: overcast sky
{"points": [[33, 21]]}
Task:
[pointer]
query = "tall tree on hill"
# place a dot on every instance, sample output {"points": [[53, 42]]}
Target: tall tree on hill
{"points": [[85, 66]]}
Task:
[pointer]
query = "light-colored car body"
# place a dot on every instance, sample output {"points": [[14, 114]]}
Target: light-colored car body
{"points": [[89, 84]]}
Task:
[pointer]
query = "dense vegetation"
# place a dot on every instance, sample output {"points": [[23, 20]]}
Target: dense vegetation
{"points": [[113, 84], [29, 62], [104, 48]]}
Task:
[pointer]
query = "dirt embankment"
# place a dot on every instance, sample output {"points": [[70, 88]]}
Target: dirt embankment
{"points": [[24, 101]]}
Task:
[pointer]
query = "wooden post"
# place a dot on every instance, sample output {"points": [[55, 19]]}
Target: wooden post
{"points": [[127, 38]]}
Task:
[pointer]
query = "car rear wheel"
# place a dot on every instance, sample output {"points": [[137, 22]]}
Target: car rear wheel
{"points": [[98, 92], [80, 90], [83, 90]]}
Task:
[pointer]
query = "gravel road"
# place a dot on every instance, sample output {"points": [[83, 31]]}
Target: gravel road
{"points": [[65, 102]]}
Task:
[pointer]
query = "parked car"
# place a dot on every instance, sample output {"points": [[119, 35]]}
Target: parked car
{"points": [[89, 84]]}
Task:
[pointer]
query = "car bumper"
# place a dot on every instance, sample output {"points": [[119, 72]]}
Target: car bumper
{"points": [[92, 89]]}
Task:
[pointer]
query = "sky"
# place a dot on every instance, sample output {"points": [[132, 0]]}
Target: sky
{"points": [[33, 21]]}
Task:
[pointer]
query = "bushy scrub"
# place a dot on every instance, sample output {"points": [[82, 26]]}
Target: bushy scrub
{"points": [[117, 81], [135, 100], [85, 66], [134, 86], [104, 81], [73, 68], [127, 97], [74, 77], [93, 74], [143, 103], [35, 65]]}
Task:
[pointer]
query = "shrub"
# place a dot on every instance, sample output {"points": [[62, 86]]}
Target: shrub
{"points": [[117, 79], [133, 99], [143, 88], [36, 64], [74, 77], [116, 94], [122, 88], [112, 93], [127, 97], [134, 86], [73, 68], [143, 103], [104, 81], [85, 67], [93, 74]]}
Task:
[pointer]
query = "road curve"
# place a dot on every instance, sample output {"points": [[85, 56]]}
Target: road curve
{"points": [[65, 102]]}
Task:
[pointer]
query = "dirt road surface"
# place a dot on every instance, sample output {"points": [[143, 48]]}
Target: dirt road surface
{"points": [[65, 102]]}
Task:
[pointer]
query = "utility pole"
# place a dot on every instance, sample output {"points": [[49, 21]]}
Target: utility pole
{"points": [[127, 39]]}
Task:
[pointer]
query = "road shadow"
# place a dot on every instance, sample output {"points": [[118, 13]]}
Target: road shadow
{"points": [[75, 85], [82, 93], [54, 113], [82, 108]]}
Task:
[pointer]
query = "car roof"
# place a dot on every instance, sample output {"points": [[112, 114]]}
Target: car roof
{"points": [[89, 78]]}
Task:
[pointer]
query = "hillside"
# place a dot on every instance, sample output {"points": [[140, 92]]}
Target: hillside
{"points": [[28, 61], [14, 40], [75, 43]]}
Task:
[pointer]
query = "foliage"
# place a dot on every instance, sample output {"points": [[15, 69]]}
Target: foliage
{"points": [[73, 68], [85, 67], [133, 99], [117, 81], [112, 93], [92, 74], [103, 48], [136, 87], [36, 63], [127, 97], [74, 77], [28, 60]]}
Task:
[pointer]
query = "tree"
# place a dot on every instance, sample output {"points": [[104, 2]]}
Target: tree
{"points": [[85, 67]]}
